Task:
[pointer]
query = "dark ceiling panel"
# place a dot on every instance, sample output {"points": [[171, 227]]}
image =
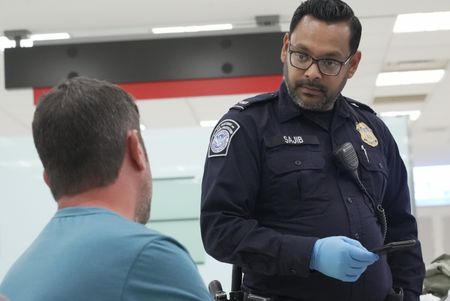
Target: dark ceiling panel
{"points": [[146, 60]]}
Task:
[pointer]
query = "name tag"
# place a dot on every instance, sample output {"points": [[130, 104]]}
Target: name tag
{"points": [[291, 140]]}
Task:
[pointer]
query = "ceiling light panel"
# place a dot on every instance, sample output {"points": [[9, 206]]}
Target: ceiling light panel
{"points": [[50, 36], [422, 22], [409, 77], [413, 114], [194, 28], [6, 43]]}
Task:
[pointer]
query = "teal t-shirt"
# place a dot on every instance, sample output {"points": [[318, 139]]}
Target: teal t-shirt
{"points": [[95, 254]]}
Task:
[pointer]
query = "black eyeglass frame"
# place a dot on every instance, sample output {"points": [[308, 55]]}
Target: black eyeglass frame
{"points": [[317, 62]]}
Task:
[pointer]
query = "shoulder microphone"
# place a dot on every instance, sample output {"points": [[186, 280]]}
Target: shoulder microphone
{"points": [[348, 161]]}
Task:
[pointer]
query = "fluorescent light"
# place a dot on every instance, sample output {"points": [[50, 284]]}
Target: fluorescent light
{"points": [[212, 27], [422, 22], [208, 123], [413, 114], [409, 77], [6, 43], [50, 36], [160, 30], [26, 43], [109, 32], [195, 28]]}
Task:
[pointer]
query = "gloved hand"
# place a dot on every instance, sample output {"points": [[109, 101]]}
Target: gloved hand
{"points": [[341, 257]]}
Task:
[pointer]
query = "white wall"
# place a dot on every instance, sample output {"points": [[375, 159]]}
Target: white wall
{"points": [[25, 202], [434, 229]]}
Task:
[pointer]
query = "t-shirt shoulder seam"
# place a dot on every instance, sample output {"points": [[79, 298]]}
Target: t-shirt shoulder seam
{"points": [[133, 264]]}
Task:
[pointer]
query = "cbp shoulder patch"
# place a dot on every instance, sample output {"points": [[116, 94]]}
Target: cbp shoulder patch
{"points": [[221, 138], [244, 104]]}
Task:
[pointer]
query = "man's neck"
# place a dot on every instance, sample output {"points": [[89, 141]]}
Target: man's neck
{"points": [[103, 197]]}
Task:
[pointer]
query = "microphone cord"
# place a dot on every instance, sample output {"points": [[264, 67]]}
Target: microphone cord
{"points": [[379, 210]]}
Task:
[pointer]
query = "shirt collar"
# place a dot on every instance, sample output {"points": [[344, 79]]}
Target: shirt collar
{"points": [[287, 108], [342, 106], [75, 211]]}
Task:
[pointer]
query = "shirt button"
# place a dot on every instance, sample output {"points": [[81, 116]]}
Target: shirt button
{"points": [[357, 235], [380, 165], [298, 162], [349, 199], [292, 271]]}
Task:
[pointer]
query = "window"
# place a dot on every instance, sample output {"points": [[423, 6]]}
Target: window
{"points": [[432, 185]]}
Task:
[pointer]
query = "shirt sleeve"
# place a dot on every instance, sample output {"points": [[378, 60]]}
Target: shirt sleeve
{"points": [[407, 267], [229, 225], [164, 271]]}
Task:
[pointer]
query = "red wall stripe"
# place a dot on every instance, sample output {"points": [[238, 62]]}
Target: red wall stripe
{"points": [[190, 88]]}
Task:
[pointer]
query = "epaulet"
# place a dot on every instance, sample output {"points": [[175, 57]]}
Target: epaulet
{"points": [[244, 104], [360, 105]]}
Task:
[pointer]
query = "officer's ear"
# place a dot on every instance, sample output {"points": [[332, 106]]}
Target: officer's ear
{"points": [[284, 48], [354, 62]]}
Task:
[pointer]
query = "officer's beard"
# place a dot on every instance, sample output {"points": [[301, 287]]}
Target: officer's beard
{"points": [[324, 104]]}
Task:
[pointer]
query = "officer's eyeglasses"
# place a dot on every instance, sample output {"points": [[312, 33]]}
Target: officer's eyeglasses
{"points": [[303, 61]]}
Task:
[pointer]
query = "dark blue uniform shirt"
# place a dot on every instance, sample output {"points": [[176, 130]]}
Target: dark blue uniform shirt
{"points": [[271, 188]]}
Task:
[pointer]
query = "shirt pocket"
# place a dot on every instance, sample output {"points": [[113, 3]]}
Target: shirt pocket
{"points": [[295, 181], [374, 172]]}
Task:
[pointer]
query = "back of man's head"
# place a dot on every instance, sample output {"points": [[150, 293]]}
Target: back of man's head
{"points": [[79, 130], [330, 11]]}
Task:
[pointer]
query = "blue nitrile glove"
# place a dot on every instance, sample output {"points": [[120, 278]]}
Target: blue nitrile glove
{"points": [[341, 257]]}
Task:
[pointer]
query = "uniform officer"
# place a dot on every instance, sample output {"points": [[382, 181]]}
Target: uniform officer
{"points": [[274, 199]]}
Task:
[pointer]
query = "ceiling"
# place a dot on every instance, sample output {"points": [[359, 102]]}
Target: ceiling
{"points": [[101, 20]]}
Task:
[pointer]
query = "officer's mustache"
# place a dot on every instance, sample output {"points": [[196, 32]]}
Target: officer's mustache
{"points": [[310, 83]]}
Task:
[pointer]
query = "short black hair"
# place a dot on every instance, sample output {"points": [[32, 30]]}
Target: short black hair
{"points": [[330, 11], [80, 130]]}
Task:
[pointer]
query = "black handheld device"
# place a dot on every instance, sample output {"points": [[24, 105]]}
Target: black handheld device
{"points": [[394, 246]]}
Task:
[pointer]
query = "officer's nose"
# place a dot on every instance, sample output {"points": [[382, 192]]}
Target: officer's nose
{"points": [[313, 71]]}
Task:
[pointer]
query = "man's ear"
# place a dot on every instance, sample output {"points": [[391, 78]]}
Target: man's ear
{"points": [[284, 48], [46, 178], [354, 62], [136, 150]]}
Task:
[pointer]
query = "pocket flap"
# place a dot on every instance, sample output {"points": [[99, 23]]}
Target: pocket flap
{"points": [[373, 161], [281, 162]]}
